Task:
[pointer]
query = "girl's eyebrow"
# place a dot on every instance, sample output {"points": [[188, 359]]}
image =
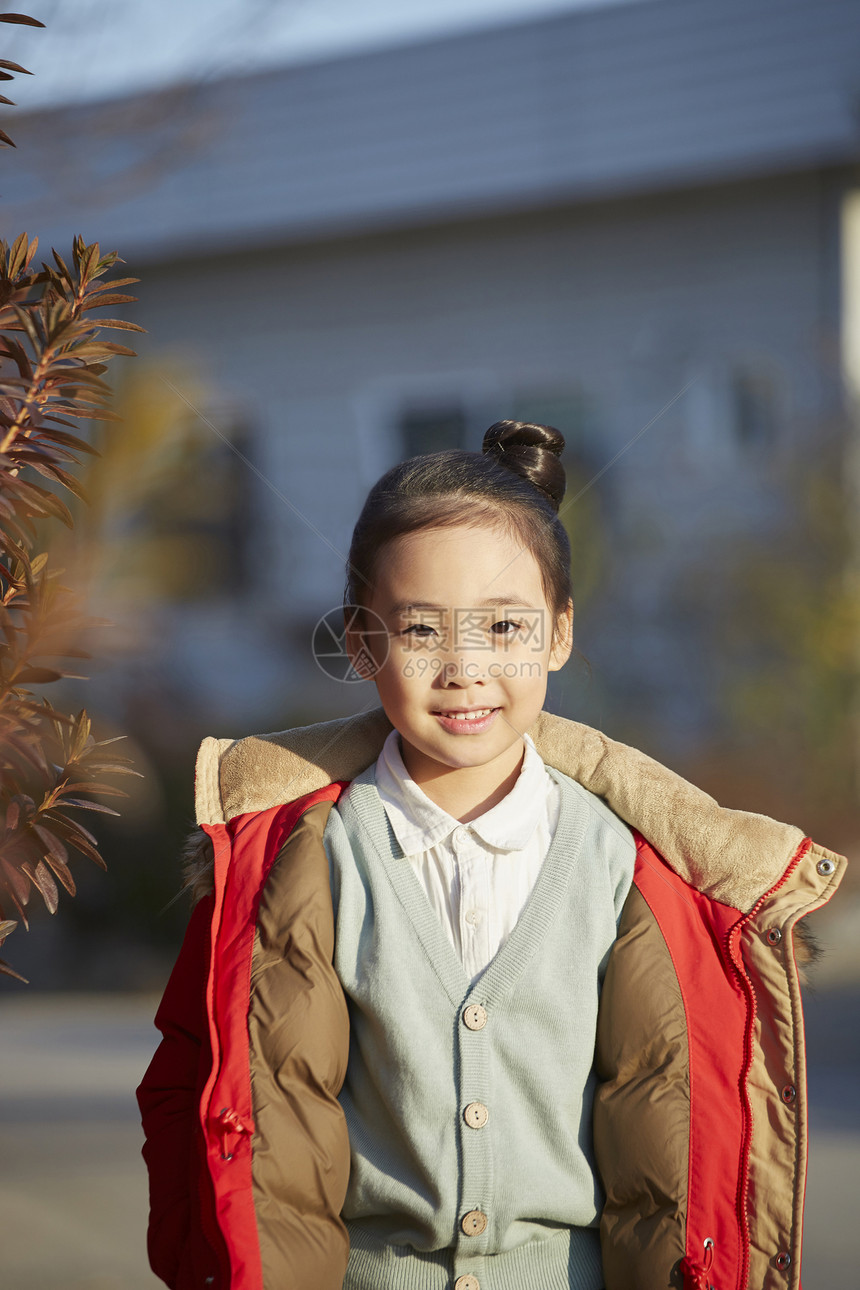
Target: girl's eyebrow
{"points": [[493, 602]]}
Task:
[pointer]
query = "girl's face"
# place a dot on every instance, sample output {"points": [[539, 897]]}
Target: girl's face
{"points": [[470, 646]]}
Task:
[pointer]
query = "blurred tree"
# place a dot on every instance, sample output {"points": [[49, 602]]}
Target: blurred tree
{"points": [[52, 359], [780, 620]]}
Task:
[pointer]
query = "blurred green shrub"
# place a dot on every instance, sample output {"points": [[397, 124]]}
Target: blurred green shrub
{"points": [[52, 360]]}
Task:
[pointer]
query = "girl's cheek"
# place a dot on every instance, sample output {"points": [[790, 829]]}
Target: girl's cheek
{"points": [[419, 666]]}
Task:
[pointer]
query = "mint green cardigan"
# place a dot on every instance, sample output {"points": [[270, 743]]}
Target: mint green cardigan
{"points": [[471, 1147]]}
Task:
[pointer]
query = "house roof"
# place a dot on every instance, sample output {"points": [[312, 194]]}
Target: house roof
{"points": [[593, 103]]}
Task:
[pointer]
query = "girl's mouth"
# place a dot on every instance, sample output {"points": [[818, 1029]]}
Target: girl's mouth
{"points": [[466, 721]]}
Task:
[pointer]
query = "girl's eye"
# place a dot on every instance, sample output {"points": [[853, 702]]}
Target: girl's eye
{"points": [[418, 629], [505, 628]]}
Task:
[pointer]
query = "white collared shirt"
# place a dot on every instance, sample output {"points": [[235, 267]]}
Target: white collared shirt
{"points": [[477, 876]]}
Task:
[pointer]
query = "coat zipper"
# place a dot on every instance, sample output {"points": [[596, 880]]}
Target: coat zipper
{"points": [[733, 953]]}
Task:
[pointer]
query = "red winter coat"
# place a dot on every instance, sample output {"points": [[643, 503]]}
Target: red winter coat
{"points": [[700, 1116]]}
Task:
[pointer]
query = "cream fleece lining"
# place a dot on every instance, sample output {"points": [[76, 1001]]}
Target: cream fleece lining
{"points": [[731, 856]]}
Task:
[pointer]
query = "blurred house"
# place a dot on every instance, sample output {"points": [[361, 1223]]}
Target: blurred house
{"points": [[633, 222]]}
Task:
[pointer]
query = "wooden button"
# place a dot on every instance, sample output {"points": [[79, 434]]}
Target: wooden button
{"points": [[475, 1017], [474, 1223], [476, 1115], [467, 1283]]}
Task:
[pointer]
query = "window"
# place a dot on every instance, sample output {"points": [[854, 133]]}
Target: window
{"points": [[754, 404], [173, 499], [197, 520], [734, 410], [427, 426]]}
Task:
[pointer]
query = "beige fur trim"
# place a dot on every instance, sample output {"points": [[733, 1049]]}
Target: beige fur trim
{"points": [[732, 856], [237, 776], [207, 780]]}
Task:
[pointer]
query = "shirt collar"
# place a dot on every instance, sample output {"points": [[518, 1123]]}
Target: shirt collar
{"points": [[419, 824]]}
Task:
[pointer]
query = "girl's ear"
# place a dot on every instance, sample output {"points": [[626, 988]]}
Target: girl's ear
{"points": [[563, 639], [356, 643]]}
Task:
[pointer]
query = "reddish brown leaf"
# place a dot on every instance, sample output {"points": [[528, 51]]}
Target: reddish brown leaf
{"points": [[32, 251], [87, 258], [19, 908], [21, 19], [76, 836], [106, 296], [31, 753], [112, 768], [61, 264], [5, 969], [16, 255], [84, 805], [119, 323], [41, 500], [38, 675], [19, 888], [57, 857], [106, 790], [51, 842], [98, 348], [112, 285], [42, 879], [62, 477], [71, 441], [63, 872]]}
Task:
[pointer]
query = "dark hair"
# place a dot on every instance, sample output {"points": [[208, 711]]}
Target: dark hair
{"points": [[516, 483]]}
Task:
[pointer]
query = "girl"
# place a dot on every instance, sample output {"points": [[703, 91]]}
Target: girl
{"points": [[472, 996]]}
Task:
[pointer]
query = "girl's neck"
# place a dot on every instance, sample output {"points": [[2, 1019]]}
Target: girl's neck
{"points": [[465, 792]]}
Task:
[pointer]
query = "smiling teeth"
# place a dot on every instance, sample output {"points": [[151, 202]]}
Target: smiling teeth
{"points": [[469, 716]]}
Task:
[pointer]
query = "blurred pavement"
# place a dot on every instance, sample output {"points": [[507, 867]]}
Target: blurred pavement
{"points": [[73, 1198], [73, 1187]]}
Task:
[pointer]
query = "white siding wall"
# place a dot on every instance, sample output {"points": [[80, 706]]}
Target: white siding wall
{"points": [[621, 98], [628, 301]]}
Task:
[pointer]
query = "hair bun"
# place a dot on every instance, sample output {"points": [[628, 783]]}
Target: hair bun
{"points": [[531, 451]]}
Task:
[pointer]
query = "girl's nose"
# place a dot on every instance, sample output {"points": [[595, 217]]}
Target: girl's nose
{"points": [[462, 668]]}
